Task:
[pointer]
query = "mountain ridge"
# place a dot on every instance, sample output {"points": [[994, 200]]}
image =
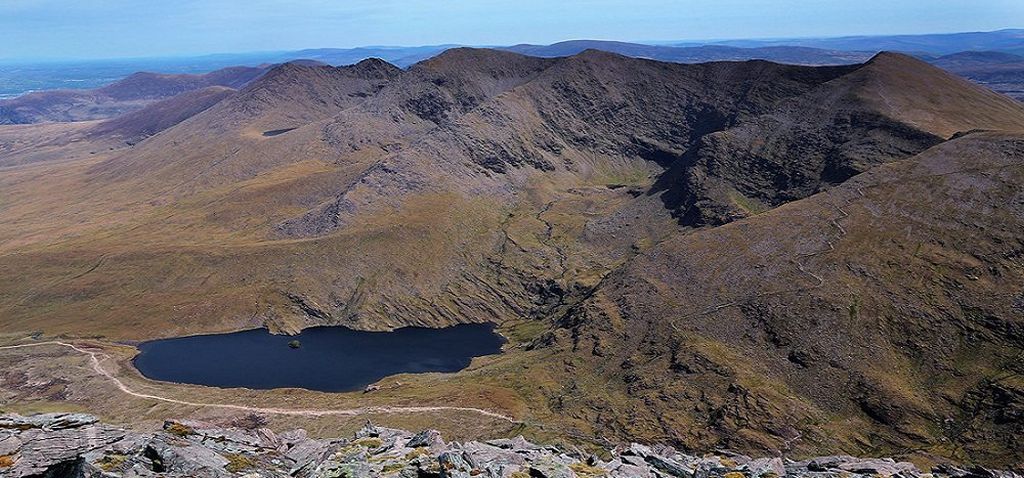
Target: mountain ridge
{"points": [[695, 54], [792, 53], [553, 196]]}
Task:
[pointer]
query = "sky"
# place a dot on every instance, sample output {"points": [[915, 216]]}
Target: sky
{"points": [[66, 29]]}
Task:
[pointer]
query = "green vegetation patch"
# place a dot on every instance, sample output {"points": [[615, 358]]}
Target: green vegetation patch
{"points": [[111, 462], [412, 455], [583, 469], [180, 430], [748, 205], [855, 308], [238, 462]]}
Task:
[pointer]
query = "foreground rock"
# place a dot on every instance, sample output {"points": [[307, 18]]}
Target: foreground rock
{"points": [[76, 445]]}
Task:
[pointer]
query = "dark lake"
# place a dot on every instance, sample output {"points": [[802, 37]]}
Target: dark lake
{"points": [[330, 359]]}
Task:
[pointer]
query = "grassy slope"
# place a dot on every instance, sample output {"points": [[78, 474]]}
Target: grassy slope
{"points": [[912, 340], [204, 263]]}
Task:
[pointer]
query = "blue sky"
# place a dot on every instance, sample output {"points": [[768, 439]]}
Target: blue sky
{"points": [[131, 28]]}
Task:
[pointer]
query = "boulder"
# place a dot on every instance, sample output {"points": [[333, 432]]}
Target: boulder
{"points": [[550, 468], [479, 454], [368, 431], [863, 466], [52, 444], [518, 443], [670, 466], [763, 466], [453, 465], [185, 458], [426, 438], [306, 455], [47, 421], [334, 469]]}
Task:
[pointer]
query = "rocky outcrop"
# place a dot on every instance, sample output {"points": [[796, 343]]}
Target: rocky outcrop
{"points": [[53, 445], [75, 445]]}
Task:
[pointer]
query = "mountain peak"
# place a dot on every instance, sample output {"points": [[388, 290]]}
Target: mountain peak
{"points": [[893, 58], [312, 71], [598, 54], [471, 58], [375, 68]]}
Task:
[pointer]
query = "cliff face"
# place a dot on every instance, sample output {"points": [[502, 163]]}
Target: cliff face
{"points": [[76, 446]]}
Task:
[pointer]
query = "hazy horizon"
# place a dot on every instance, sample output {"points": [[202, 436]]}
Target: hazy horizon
{"points": [[49, 30]]}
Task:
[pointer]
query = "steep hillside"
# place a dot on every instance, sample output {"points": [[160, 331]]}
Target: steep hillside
{"points": [[24, 144], [141, 124], [894, 106], [145, 85], [573, 200], [882, 314], [123, 96]]}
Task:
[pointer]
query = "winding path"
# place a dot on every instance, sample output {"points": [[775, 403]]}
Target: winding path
{"points": [[95, 359]]}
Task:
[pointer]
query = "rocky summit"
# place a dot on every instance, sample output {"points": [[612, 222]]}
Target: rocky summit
{"points": [[76, 445]]}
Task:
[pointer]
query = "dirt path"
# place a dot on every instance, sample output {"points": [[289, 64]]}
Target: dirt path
{"points": [[96, 359]]}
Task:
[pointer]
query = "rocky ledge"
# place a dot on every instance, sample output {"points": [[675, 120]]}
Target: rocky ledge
{"points": [[76, 445]]}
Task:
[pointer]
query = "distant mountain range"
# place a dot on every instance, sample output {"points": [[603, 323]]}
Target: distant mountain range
{"points": [[18, 77], [1010, 41], [987, 58], [796, 55], [398, 56], [126, 95]]}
